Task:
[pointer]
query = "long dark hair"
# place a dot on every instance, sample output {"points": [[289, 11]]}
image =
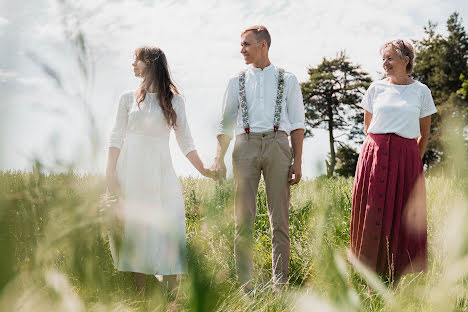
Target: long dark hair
{"points": [[157, 74]]}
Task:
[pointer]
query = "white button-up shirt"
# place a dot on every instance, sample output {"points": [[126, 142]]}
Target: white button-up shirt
{"points": [[260, 91]]}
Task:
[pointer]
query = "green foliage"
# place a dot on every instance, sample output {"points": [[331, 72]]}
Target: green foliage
{"points": [[440, 62], [347, 161], [463, 91], [331, 98]]}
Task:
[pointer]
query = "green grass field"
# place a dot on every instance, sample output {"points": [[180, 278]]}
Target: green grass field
{"points": [[55, 256]]}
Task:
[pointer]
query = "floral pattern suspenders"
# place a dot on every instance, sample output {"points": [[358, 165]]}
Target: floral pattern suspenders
{"points": [[243, 101]]}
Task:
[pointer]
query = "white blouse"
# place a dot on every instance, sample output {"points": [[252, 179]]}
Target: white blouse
{"points": [[398, 108], [148, 120], [260, 91]]}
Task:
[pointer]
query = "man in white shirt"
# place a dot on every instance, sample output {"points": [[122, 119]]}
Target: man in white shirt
{"points": [[261, 106]]}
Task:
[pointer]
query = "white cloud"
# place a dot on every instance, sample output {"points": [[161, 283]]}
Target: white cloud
{"points": [[6, 75], [3, 21], [201, 40], [13, 76], [32, 81]]}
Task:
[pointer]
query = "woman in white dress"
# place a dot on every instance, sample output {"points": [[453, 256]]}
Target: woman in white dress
{"points": [[139, 168]]}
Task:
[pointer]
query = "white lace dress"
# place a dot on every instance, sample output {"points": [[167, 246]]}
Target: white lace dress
{"points": [[153, 206]]}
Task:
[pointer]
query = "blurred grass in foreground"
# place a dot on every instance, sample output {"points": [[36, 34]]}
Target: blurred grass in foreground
{"points": [[55, 253]]}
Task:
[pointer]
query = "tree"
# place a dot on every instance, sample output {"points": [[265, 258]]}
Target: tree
{"points": [[331, 98], [463, 91], [347, 159], [442, 63]]}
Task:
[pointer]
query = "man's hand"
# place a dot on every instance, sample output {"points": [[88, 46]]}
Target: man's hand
{"points": [[297, 172], [218, 165], [219, 168], [209, 173], [297, 138]]}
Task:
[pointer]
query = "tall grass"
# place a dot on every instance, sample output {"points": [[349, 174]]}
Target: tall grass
{"points": [[55, 253]]}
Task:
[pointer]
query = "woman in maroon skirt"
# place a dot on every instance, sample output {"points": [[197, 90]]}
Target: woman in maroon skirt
{"points": [[388, 218]]}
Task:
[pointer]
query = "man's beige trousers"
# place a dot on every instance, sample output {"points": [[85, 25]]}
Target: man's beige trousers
{"points": [[253, 154]]}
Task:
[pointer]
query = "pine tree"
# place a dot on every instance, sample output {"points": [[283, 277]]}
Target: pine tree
{"points": [[331, 100], [440, 63]]}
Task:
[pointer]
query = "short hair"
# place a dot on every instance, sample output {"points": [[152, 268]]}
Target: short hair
{"points": [[261, 33], [403, 48]]}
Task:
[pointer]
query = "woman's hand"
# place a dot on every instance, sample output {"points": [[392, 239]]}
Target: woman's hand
{"points": [[198, 164], [219, 169], [208, 173], [113, 183]]}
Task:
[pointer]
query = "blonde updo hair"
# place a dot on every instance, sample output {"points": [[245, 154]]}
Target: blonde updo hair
{"points": [[403, 48]]}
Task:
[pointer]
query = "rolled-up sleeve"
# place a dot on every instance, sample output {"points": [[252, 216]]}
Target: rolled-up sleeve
{"points": [[119, 130], [230, 109], [295, 104], [182, 129]]}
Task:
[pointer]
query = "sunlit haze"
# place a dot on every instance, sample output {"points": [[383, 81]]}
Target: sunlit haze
{"points": [[46, 119]]}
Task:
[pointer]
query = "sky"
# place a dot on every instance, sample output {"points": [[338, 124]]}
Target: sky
{"points": [[51, 112]]}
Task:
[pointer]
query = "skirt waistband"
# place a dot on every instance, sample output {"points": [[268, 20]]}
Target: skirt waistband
{"points": [[385, 137]]}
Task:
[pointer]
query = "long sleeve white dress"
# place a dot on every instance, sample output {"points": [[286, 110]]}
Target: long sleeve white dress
{"points": [[153, 207]]}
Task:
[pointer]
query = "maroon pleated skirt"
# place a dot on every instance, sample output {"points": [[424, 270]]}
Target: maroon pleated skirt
{"points": [[388, 216]]}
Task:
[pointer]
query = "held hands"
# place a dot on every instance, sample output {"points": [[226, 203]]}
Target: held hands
{"points": [[296, 171], [214, 172], [208, 173], [198, 164], [219, 170]]}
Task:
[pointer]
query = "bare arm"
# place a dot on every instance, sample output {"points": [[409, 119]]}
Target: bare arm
{"points": [[218, 165], [197, 163], [425, 128], [116, 140], [223, 144], [367, 120], [297, 139], [226, 127], [111, 171]]}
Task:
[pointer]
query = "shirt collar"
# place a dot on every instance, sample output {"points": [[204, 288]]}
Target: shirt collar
{"points": [[266, 69]]}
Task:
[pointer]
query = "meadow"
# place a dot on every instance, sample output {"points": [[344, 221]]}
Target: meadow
{"points": [[55, 254]]}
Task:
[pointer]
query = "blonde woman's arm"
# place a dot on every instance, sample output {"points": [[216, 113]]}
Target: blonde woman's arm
{"points": [[425, 128]]}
